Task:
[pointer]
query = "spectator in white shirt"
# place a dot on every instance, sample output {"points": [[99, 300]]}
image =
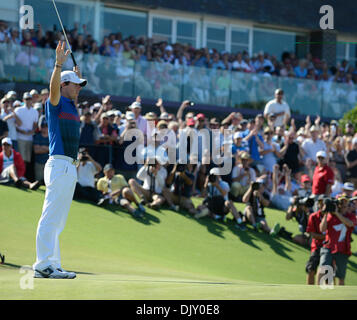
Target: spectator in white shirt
{"points": [[29, 119], [313, 145], [141, 122], [8, 115], [154, 177], [279, 108]]}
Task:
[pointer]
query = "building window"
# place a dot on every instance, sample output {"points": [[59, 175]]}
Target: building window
{"points": [[273, 42], [216, 37], [162, 29], [70, 14], [352, 59], [239, 40], [129, 23], [186, 32]]}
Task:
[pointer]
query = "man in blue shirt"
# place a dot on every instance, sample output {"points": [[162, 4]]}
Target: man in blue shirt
{"points": [[60, 174], [40, 148]]}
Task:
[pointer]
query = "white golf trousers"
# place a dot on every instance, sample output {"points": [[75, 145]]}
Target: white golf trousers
{"points": [[60, 178]]}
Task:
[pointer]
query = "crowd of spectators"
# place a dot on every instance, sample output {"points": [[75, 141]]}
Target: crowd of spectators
{"points": [[274, 163], [145, 49]]}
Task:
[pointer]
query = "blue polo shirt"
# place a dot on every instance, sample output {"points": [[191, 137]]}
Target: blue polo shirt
{"points": [[63, 128]]}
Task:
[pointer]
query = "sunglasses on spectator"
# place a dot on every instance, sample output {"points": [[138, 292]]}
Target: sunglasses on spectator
{"points": [[163, 127]]}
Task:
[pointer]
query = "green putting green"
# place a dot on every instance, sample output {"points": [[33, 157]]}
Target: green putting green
{"points": [[167, 255]]}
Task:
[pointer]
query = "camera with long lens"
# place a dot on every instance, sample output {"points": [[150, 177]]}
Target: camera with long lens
{"points": [[255, 186], [191, 103], [304, 201], [212, 178], [84, 155], [330, 205], [180, 167]]}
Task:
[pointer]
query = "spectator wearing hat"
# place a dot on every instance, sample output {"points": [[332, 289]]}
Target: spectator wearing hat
{"points": [[242, 175], [323, 177], [44, 96], [305, 186], [279, 108], [29, 119], [89, 131], [115, 189], [12, 166], [351, 163], [347, 190], [41, 149], [239, 145], [108, 134], [313, 145], [104, 107], [10, 117], [141, 122], [35, 96]]}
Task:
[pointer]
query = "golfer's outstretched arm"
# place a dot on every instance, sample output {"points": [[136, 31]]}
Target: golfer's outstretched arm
{"points": [[55, 83]]}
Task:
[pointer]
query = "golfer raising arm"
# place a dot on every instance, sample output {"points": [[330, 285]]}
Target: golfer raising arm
{"points": [[60, 173]]}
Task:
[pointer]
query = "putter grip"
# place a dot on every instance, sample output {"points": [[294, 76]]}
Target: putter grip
{"points": [[74, 60]]}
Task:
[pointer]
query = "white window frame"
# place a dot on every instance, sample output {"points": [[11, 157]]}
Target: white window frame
{"points": [[174, 21], [273, 31], [120, 10], [232, 27], [207, 24]]}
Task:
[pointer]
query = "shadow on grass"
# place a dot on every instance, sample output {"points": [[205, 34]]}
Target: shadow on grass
{"points": [[352, 265], [244, 236], [16, 266]]}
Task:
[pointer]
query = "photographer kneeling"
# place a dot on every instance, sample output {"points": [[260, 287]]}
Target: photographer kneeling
{"points": [[154, 176], [300, 209], [255, 200], [217, 203], [181, 179], [86, 171], [338, 222]]}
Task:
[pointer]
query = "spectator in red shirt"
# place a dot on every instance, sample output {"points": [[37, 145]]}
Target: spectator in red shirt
{"points": [[317, 237], [323, 178], [12, 167], [338, 226]]}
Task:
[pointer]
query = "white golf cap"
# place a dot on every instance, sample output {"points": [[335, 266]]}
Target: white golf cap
{"points": [[168, 48], [110, 113], [11, 93], [130, 115], [214, 171], [33, 91], [37, 106], [135, 105], [117, 113], [321, 154], [17, 103], [348, 186], [164, 116], [27, 95], [71, 76], [238, 135], [6, 140]]}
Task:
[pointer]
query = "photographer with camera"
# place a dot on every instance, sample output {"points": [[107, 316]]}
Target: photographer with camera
{"points": [[181, 179], [337, 222], [115, 190], [154, 176], [300, 210], [317, 237], [256, 199], [86, 171], [216, 202]]}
